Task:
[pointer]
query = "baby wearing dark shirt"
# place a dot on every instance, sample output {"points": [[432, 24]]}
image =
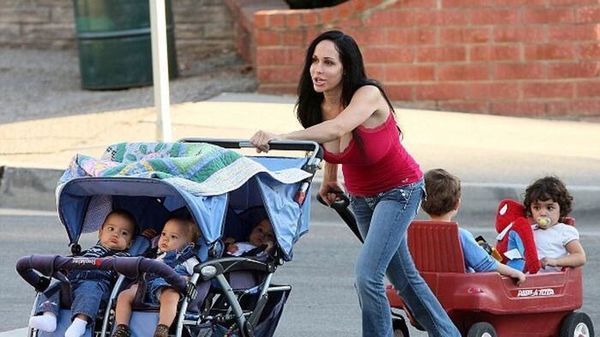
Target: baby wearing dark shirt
{"points": [[90, 287]]}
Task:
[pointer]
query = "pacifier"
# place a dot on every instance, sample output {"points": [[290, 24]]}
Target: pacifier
{"points": [[543, 222]]}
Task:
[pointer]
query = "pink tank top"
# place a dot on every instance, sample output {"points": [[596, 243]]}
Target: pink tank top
{"points": [[377, 162]]}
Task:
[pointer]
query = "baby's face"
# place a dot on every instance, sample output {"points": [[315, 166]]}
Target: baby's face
{"points": [[262, 234], [116, 232], [174, 236], [545, 209]]}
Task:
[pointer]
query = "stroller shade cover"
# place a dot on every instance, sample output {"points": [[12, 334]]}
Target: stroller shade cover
{"points": [[153, 179]]}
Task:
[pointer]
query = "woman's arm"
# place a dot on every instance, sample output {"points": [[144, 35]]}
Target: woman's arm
{"points": [[330, 172], [366, 101], [330, 184], [575, 258]]}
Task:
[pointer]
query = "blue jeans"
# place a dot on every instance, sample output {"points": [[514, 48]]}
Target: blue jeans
{"points": [[87, 296], [155, 284], [154, 287], [383, 220]]}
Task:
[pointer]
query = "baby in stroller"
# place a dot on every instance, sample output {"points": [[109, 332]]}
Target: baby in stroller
{"points": [[90, 287], [176, 248], [261, 239]]}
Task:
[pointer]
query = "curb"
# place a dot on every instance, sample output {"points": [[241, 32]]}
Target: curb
{"points": [[482, 199], [28, 188], [34, 188]]}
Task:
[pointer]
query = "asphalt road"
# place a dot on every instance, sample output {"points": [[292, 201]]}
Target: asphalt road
{"points": [[322, 302]]}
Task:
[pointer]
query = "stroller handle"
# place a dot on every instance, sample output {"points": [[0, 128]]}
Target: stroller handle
{"points": [[340, 205], [283, 145], [311, 166], [32, 267]]}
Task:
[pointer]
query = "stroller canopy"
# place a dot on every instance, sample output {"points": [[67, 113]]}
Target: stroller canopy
{"points": [[152, 180]]}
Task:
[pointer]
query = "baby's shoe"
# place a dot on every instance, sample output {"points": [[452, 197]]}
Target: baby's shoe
{"points": [[77, 328], [45, 322], [161, 331], [122, 330]]}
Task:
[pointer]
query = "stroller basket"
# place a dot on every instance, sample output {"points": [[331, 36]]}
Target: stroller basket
{"points": [[270, 315]]}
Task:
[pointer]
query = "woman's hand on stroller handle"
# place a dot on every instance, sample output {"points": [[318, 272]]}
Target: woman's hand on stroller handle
{"points": [[340, 200], [261, 140], [332, 194]]}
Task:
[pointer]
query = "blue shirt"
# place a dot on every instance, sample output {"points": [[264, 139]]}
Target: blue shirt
{"points": [[476, 258]]}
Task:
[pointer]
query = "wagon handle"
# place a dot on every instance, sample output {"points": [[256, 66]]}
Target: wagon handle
{"points": [[340, 205]]}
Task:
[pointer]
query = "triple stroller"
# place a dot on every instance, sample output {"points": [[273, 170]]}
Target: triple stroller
{"points": [[218, 187]]}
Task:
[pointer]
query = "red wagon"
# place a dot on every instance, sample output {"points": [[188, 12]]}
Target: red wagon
{"points": [[489, 304], [485, 304]]}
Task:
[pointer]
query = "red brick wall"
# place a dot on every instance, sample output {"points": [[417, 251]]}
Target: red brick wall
{"points": [[513, 57]]}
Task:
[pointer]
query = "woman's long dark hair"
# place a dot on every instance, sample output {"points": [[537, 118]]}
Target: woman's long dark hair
{"points": [[308, 106]]}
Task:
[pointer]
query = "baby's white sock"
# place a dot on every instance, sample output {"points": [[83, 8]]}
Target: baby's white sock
{"points": [[77, 328], [45, 322]]}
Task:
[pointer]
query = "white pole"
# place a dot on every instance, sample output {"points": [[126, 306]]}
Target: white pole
{"points": [[160, 69]]}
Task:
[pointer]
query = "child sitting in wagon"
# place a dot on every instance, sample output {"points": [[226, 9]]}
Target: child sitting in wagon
{"points": [[442, 204]]}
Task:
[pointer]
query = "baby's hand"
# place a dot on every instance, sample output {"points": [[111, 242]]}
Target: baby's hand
{"points": [[149, 233], [232, 248], [520, 277], [270, 245], [550, 262]]}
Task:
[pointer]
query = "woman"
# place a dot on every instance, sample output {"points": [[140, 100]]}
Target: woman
{"points": [[353, 119]]}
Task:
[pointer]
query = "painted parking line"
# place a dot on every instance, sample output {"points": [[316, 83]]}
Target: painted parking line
{"points": [[14, 333], [26, 212]]}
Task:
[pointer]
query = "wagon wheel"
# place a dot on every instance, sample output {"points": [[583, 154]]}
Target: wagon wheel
{"points": [[482, 329], [577, 324], [399, 327]]}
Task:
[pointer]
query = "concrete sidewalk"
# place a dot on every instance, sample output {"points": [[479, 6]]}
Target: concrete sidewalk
{"points": [[495, 156]]}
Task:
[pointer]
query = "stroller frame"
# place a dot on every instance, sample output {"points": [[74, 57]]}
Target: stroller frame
{"points": [[214, 270]]}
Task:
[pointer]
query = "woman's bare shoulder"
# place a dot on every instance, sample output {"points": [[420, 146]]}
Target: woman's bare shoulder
{"points": [[375, 97], [369, 89], [368, 94]]}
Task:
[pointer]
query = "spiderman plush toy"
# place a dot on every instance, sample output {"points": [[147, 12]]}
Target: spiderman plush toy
{"points": [[515, 238]]}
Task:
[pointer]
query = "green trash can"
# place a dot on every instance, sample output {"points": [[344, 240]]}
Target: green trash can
{"points": [[115, 50]]}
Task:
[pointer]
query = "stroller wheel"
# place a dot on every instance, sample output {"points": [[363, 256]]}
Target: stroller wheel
{"points": [[482, 329], [399, 327], [577, 324]]}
